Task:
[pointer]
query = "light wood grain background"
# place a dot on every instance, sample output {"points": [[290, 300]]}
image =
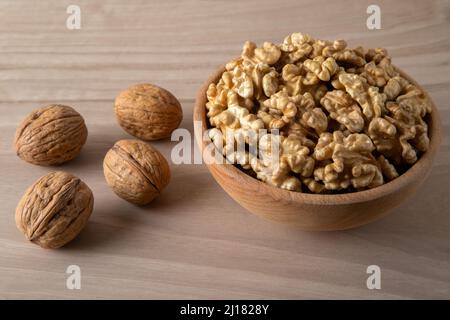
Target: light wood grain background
{"points": [[194, 241]]}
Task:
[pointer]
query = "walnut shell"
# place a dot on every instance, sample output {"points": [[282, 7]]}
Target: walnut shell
{"points": [[148, 112], [50, 135], [136, 171], [54, 210]]}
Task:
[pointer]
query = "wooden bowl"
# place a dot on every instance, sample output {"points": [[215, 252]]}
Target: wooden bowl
{"points": [[314, 211]]}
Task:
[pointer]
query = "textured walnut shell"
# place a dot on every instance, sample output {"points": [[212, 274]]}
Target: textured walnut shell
{"points": [[54, 210], [148, 112], [50, 135], [136, 171]]}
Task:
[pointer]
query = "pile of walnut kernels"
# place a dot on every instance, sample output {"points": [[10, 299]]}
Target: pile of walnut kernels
{"points": [[348, 121]]}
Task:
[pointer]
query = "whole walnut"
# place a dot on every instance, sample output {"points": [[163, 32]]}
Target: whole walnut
{"points": [[148, 112], [136, 171], [50, 135], [54, 210]]}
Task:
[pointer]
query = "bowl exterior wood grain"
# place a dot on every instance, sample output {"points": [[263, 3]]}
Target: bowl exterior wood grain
{"points": [[312, 211]]}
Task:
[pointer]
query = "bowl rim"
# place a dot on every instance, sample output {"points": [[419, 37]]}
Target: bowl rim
{"points": [[408, 177]]}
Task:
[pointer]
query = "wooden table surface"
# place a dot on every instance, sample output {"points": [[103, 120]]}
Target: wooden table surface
{"points": [[194, 241]]}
